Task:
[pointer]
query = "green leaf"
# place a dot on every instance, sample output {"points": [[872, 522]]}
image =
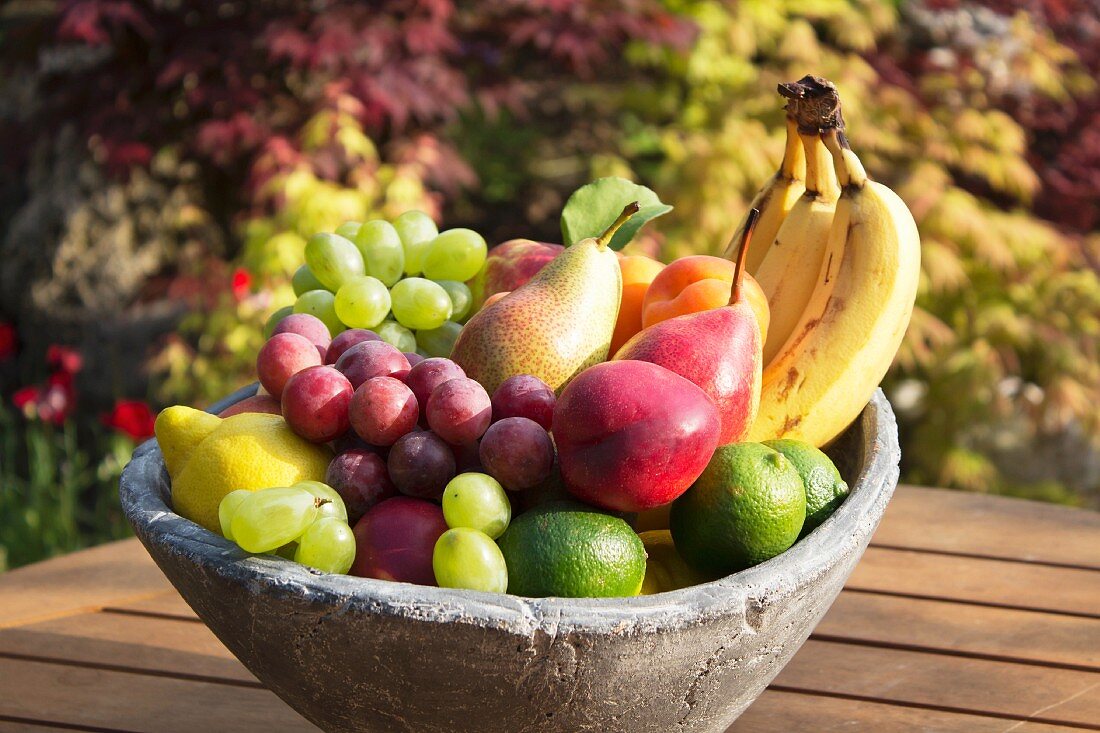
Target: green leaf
{"points": [[594, 207]]}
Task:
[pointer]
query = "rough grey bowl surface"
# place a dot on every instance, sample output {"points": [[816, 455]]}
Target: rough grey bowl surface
{"points": [[355, 654]]}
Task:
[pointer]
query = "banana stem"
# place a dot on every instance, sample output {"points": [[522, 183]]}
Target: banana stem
{"points": [[793, 165], [743, 250], [821, 179], [628, 211], [849, 169]]}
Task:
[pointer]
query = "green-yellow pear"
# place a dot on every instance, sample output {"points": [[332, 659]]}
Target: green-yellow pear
{"points": [[556, 325]]}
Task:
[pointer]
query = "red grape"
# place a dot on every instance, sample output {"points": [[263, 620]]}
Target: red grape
{"points": [[467, 459], [428, 374], [413, 357], [524, 396], [307, 326], [315, 403], [517, 452], [361, 479], [283, 356], [345, 340], [459, 410], [395, 541], [382, 410], [421, 464], [370, 359]]}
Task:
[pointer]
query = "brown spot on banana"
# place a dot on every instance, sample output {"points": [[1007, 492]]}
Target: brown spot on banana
{"points": [[789, 425]]}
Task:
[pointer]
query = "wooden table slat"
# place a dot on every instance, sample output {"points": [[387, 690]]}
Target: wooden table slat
{"points": [[82, 581], [936, 680], [180, 648], [966, 522], [962, 628], [168, 604], [999, 582], [786, 712], [64, 694]]}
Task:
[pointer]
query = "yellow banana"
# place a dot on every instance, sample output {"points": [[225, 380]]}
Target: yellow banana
{"points": [[789, 270], [774, 200], [852, 327]]}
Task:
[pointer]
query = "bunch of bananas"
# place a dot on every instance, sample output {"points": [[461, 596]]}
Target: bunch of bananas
{"points": [[838, 256]]}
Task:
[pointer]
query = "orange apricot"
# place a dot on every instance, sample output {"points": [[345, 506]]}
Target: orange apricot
{"points": [[699, 283], [638, 272]]}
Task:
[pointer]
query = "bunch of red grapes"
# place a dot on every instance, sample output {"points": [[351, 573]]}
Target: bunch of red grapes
{"points": [[400, 423]]}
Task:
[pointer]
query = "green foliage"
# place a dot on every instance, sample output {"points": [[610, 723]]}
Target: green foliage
{"points": [[595, 206], [1007, 301], [59, 493]]}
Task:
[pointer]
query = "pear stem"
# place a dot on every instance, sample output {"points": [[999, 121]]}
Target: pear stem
{"points": [[739, 263], [628, 211]]}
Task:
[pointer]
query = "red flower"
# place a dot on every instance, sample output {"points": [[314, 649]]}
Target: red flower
{"points": [[242, 281], [56, 404], [132, 417], [8, 338], [65, 358], [25, 398]]}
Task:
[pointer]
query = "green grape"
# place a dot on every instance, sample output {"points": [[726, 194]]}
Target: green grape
{"points": [[382, 250], [274, 319], [335, 506], [349, 229], [456, 254], [477, 501], [420, 303], [396, 335], [417, 230], [466, 558], [304, 280], [227, 508], [461, 298], [270, 518], [333, 259], [327, 545], [362, 302], [438, 341], [320, 303]]}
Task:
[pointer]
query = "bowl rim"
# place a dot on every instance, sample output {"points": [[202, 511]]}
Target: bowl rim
{"points": [[144, 486]]}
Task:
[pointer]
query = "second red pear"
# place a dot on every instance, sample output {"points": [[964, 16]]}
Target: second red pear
{"points": [[632, 435], [719, 350]]}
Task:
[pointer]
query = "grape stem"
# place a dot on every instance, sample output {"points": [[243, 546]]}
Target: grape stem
{"points": [[319, 502]]}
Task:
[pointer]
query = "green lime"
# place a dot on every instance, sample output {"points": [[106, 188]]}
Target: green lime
{"points": [[572, 550], [747, 506], [825, 489]]}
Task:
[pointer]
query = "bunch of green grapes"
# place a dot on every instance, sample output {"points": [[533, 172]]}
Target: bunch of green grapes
{"points": [[306, 522], [477, 511], [403, 280]]}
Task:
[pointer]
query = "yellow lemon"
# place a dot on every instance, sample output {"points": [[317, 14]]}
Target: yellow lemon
{"points": [[248, 451], [665, 570]]}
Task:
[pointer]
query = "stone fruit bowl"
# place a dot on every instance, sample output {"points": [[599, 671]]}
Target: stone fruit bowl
{"points": [[354, 654]]}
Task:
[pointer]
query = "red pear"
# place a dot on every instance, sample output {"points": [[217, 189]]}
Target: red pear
{"points": [[719, 350], [632, 435]]}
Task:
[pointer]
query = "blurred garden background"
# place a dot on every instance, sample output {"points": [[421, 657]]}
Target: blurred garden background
{"points": [[161, 163]]}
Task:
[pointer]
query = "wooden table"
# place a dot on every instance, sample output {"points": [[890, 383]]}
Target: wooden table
{"points": [[968, 613]]}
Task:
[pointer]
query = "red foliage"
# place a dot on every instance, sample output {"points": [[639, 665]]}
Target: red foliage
{"points": [[235, 82]]}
